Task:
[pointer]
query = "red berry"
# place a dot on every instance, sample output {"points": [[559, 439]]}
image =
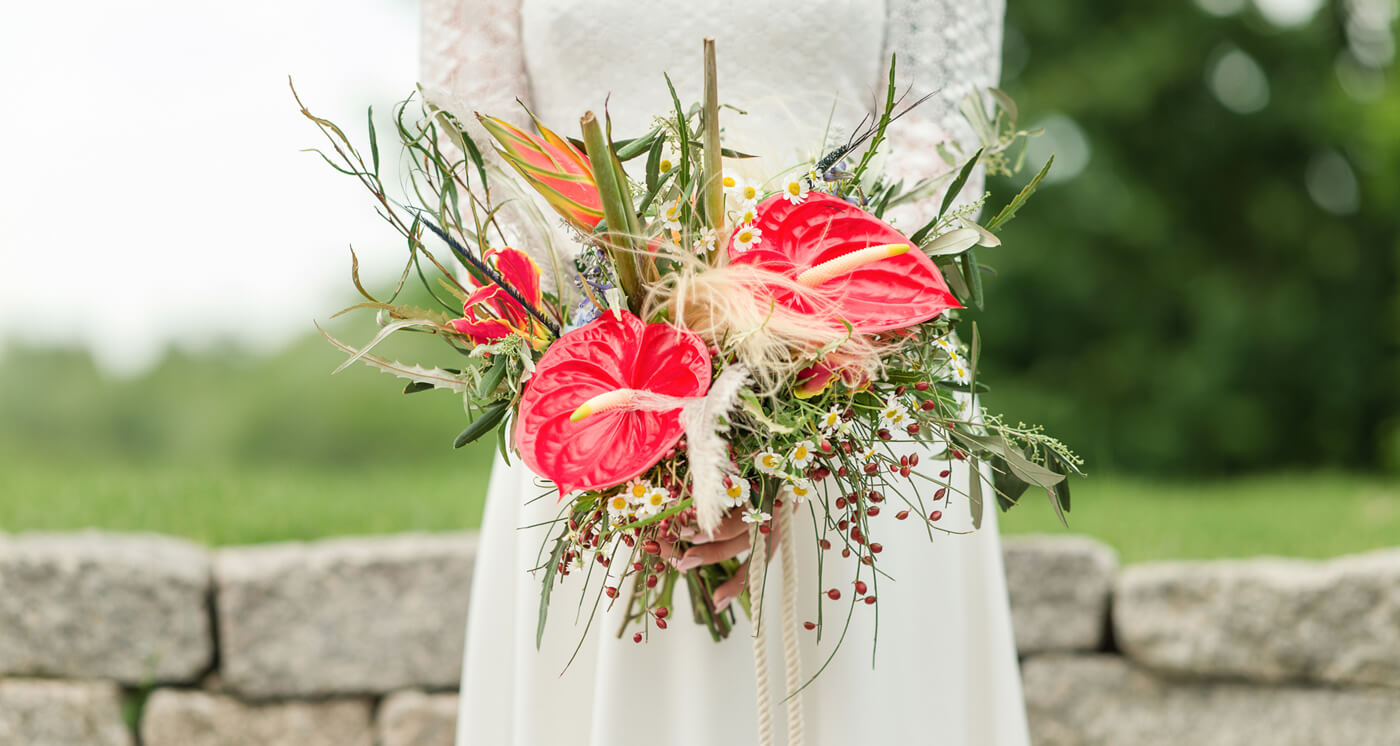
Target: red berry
{"points": [[840, 503], [928, 404], [651, 547], [904, 471], [884, 434], [658, 566], [913, 428], [611, 591], [809, 625], [637, 637], [660, 623], [914, 459], [871, 468], [935, 515], [877, 547], [765, 529], [861, 587], [651, 581], [834, 594], [944, 473], [842, 471], [873, 511], [900, 390], [825, 446], [867, 560], [940, 493], [661, 612], [921, 386], [826, 544], [869, 600], [901, 515], [636, 567], [846, 552]]}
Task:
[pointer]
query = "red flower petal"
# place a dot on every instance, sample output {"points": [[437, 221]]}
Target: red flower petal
{"points": [[609, 447], [891, 293]]}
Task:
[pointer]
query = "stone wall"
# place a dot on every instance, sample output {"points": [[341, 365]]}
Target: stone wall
{"points": [[118, 639]]}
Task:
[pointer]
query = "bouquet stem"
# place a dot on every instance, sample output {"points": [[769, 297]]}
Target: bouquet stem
{"points": [[712, 177], [623, 229]]}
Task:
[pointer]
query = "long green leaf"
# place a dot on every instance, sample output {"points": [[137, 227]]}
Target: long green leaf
{"points": [[956, 187], [489, 419], [550, 571], [1009, 212]]}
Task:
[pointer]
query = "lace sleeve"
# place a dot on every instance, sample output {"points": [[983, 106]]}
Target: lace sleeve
{"points": [[471, 59], [470, 54], [947, 46]]}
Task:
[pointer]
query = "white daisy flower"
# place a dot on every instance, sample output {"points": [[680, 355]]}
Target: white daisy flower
{"points": [[671, 216], [798, 490], [767, 462], [636, 491], [748, 215], [619, 509], [868, 454], [668, 160], [706, 243], [732, 184], [802, 455], [747, 236], [959, 371], [745, 194], [830, 422], [894, 415], [654, 502], [737, 490], [947, 345], [795, 191], [756, 516]]}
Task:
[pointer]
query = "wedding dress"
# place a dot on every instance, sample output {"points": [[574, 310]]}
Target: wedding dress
{"points": [[945, 670]]}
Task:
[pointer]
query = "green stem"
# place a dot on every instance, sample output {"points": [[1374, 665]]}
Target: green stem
{"points": [[712, 176], [617, 207]]}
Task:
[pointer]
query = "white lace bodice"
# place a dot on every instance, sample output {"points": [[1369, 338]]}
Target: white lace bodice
{"points": [[790, 63]]}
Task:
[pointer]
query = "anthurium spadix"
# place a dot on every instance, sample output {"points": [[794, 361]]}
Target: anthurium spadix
{"points": [[553, 167], [604, 403], [867, 273]]}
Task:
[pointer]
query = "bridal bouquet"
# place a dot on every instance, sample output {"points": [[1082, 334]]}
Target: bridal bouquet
{"points": [[711, 352]]}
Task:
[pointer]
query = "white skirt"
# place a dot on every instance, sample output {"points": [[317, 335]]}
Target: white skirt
{"points": [[944, 671]]}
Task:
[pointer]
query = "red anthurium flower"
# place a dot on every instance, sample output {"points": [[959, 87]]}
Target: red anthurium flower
{"points": [[554, 167], [490, 313], [871, 274], [579, 425], [818, 377]]}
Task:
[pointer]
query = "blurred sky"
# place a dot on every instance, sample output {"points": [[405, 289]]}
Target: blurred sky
{"points": [[153, 189], [154, 192]]}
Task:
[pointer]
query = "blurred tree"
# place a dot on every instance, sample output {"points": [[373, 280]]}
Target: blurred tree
{"points": [[1216, 289]]}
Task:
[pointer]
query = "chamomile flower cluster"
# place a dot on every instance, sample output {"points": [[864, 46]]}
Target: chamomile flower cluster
{"points": [[743, 200], [894, 415], [639, 499], [956, 369]]}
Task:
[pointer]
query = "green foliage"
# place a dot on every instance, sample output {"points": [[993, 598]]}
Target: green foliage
{"points": [[1184, 304]]}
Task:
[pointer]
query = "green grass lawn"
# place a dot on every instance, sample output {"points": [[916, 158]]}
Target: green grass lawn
{"points": [[1304, 515]]}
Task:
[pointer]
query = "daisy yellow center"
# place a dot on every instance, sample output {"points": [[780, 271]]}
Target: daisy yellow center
{"points": [[794, 188], [656, 498], [728, 181], [665, 165], [639, 491], [745, 236], [750, 193], [799, 490], [800, 453], [619, 503], [734, 490]]}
